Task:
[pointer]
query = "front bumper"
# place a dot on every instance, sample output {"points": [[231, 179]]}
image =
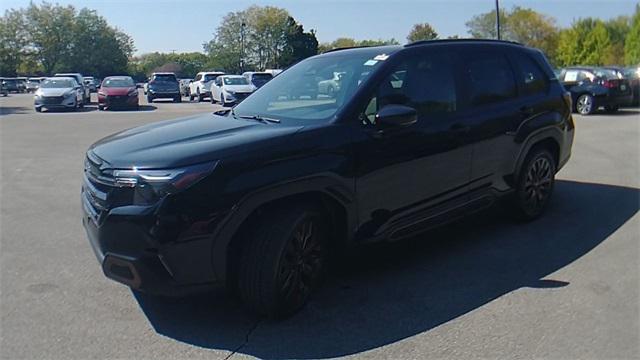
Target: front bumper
{"points": [[163, 94], [55, 102], [114, 101], [131, 249]]}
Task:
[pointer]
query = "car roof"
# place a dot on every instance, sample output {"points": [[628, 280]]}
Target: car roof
{"points": [[232, 76], [118, 77], [211, 73], [163, 73], [60, 77]]}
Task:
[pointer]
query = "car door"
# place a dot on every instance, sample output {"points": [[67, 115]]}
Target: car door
{"points": [[193, 86], [493, 112], [216, 88], [403, 172]]}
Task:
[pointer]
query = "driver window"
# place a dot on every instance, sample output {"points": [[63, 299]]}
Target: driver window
{"points": [[425, 82]]}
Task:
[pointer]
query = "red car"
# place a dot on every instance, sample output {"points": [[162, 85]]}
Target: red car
{"points": [[118, 92]]}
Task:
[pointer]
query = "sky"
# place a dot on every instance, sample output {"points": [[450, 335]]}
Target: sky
{"points": [[183, 26]]}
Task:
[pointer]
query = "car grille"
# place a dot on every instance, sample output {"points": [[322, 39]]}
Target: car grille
{"points": [[117, 99], [97, 187], [241, 95], [52, 100]]}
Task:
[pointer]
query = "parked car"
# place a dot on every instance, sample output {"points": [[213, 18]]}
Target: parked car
{"points": [[230, 89], [256, 197], [163, 85], [11, 84], [200, 87], [594, 87], [86, 99], [274, 72], [118, 92], [89, 82], [3, 88], [58, 93], [257, 79], [33, 84]]}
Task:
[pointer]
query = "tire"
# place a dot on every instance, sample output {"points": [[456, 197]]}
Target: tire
{"points": [[585, 104], [200, 96], [100, 107], [177, 99], [38, 109], [79, 105], [535, 184], [611, 108], [149, 99], [275, 277]]}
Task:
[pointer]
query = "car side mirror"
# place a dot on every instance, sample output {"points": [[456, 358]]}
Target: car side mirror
{"points": [[393, 115]]}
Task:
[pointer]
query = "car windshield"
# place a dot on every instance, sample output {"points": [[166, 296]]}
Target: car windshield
{"points": [[34, 81], [56, 83], [260, 79], [310, 90], [118, 83], [165, 78], [235, 81]]}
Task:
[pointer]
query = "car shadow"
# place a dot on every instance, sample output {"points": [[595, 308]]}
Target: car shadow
{"points": [[18, 110], [140, 108], [387, 293], [626, 111]]}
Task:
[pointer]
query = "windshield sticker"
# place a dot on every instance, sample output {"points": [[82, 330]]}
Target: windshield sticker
{"points": [[370, 62], [381, 57]]}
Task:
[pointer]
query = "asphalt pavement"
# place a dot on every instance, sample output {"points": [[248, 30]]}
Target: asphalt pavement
{"points": [[565, 286]]}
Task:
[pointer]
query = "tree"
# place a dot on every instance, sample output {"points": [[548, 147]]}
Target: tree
{"points": [[587, 42], [13, 39], [632, 42], [300, 44], [522, 25], [422, 32], [340, 43]]}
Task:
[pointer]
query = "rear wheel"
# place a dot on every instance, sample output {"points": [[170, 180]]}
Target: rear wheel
{"points": [[38, 109], [585, 104], [149, 99], [282, 261], [177, 99], [535, 184]]}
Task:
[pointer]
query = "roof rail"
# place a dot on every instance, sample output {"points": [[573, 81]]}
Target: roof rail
{"points": [[345, 48], [421, 42]]}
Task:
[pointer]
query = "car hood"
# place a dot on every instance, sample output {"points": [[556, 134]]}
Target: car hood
{"points": [[54, 91], [239, 88], [186, 141], [116, 90]]}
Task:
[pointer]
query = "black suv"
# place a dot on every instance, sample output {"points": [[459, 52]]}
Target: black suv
{"points": [[257, 197], [163, 86]]}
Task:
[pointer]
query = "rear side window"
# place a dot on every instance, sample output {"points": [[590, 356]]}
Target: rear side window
{"points": [[534, 80], [490, 79]]}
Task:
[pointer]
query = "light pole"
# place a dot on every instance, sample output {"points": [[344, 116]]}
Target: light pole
{"points": [[498, 19], [242, 26]]}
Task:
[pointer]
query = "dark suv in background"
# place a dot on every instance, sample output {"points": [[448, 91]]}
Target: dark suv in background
{"points": [[257, 197], [594, 87], [163, 86]]}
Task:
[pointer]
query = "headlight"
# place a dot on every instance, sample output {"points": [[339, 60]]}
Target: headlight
{"points": [[151, 185], [69, 93], [37, 94], [101, 94]]}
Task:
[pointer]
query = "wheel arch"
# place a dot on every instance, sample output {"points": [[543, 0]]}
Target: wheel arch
{"points": [[549, 138], [334, 199]]}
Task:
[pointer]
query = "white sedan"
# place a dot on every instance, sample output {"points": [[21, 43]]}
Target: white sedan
{"points": [[230, 89]]}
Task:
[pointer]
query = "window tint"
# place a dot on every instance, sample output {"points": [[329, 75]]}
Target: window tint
{"points": [[426, 83], [490, 79], [165, 78], [533, 78]]}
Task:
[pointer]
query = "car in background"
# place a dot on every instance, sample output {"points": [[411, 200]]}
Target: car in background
{"points": [[200, 87], [274, 72], [257, 79], [59, 93], [118, 92], [163, 85], [11, 84], [86, 98], [595, 87], [33, 84], [89, 81], [230, 89]]}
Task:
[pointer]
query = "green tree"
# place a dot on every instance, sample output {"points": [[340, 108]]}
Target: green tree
{"points": [[13, 39], [300, 44], [483, 26], [632, 41], [587, 42], [50, 33], [340, 43], [422, 31]]}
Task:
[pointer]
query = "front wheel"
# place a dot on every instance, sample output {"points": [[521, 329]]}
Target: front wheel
{"points": [[282, 260], [535, 184], [177, 99], [585, 104], [149, 99]]}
